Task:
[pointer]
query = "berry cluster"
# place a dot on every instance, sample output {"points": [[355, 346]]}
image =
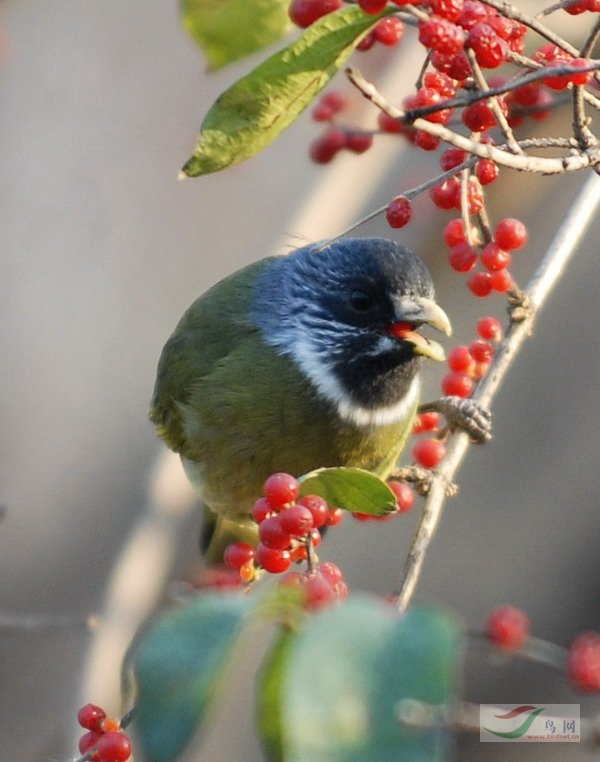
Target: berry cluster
{"points": [[104, 737], [287, 528], [335, 138], [321, 586], [467, 365]]}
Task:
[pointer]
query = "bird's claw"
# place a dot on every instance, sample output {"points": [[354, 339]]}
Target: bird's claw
{"points": [[421, 478], [464, 414]]}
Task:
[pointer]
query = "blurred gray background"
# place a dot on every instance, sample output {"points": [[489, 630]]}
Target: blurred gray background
{"points": [[102, 251]]}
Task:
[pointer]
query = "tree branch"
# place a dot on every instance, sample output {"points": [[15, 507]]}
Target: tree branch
{"points": [[548, 272]]}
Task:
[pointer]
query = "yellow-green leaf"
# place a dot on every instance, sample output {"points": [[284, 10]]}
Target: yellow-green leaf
{"points": [[228, 30], [249, 115], [352, 489]]}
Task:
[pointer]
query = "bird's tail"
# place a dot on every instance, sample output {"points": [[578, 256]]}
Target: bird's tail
{"points": [[218, 531]]}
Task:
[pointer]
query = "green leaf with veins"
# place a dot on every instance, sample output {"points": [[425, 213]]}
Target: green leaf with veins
{"points": [[249, 115], [352, 489]]}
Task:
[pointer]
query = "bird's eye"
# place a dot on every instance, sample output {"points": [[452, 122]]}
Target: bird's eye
{"points": [[361, 301]]}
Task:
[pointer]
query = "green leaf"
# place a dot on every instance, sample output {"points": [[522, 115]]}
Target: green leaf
{"points": [[177, 666], [257, 108], [228, 30], [350, 488], [347, 674], [270, 688]]}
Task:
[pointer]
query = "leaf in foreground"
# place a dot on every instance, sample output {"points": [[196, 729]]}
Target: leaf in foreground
{"points": [[249, 115], [228, 30], [177, 667], [349, 670]]}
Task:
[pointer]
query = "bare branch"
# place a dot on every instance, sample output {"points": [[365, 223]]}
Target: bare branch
{"points": [[549, 270]]}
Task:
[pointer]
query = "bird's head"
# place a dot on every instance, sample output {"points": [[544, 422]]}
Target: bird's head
{"points": [[349, 315]]}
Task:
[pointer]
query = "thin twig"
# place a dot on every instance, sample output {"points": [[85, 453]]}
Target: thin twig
{"points": [[541, 165], [548, 272]]}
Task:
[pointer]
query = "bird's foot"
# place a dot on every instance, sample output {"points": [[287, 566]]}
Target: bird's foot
{"points": [[421, 478], [463, 414]]}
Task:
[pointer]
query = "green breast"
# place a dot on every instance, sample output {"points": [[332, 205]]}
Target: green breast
{"points": [[238, 412]]}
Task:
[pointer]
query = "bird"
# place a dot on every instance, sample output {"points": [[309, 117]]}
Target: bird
{"points": [[295, 362]]}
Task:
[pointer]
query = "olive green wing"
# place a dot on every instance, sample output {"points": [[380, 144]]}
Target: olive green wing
{"points": [[211, 328]]}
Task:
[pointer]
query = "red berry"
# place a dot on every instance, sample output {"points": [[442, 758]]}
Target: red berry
{"points": [[494, 258], [334, 100], [583, 662], [490, 328], [297, 520], [446, 195], [261, 509], [501, 281], [372, 6], [425, 141], [480, 284], [334, 516], [366, 43], [357, 141], [457, 384], [273, 560], [444, 84], [324, 148], [315, 535], [273, 535], [456, 66], [322, 113], [305, 12], [478, 117], [331, 572], [561, 81], [426, 422], [473, 13], [462, 257], [399, 212], [438, 34], [475, 199], [454, 233], [389, 124], [510, 234], [481, 351], [460, 359], [87, 742], [451, 158], [507, 627], [318, 592], [389, 31], [281, 489], [486, 171], [428, 452], [114, 746], [90, 717], [318, 508], [448, 9], [405, 495], [429, 96], [237, 554], [489, 48]]}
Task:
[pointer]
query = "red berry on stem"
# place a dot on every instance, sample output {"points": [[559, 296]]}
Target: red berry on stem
{"points": [[318, 592], [489, 48], [114, 746], [478, 117], [318, 507], [501, 281], [507, 627], [90, 717], [457, 384], [451, 158], [454, 233], [389, 31], [438, 34], [273, 535], [87, 742], [297, 520], [480, 284], [426, 422], [334, 100], [428, 452], [405, 495], [490, 328], [444, 84], [583, 662], [448, 9], [398, 212], [446, 195], [273, 560], [486, 171], [510, 234], [456, 66], [462, 257], [236, 554], [281, 489], [460, 359], [494, 258], [324, 148], [315, 535], [331, 572], [425, 141], [334, 516], [372, 6], [261, 509], [358, 141], [481, 351], [305, 12]]}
